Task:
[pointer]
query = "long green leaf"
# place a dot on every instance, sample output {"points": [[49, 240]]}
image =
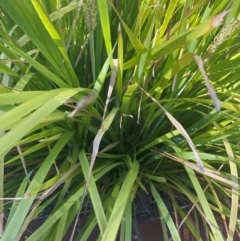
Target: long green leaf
{"points": [[15, 223], [32, 120], [94, 194], [105, 23], [205, 205], [120, 204], [165, 213]]}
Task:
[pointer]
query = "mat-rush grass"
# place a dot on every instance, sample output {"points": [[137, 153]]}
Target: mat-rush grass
{"points": [[103, 99]]}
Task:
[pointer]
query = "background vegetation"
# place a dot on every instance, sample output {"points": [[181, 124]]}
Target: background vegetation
{"points": [[101, 100]]}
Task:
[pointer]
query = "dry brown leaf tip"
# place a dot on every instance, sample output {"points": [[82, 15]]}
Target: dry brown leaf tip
{"points": [[218, 19]]}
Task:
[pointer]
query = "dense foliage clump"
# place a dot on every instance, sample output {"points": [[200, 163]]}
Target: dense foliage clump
{"points": [[104, 102]]}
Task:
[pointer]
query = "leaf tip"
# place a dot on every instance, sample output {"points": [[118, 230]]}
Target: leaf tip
{"points": [[218, 19], [202, 169]]}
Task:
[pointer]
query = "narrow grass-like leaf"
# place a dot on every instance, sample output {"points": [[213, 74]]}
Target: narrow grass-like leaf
{"points": [[104, 127], [155, 178], [184, 38], [128, 96], [23, 81], [105, 23], [17, 220], [208, 84], [98, 84], [135, 42], [188, 223], [207, 172], [48, 25], [164, 229], [74, 23], [205, 205], [165, 213], [6, 70], [63, 10], [26, 108], [56, 215], [32, 120], [1, 187], [111, 85], [120, 204], [19, 194], [235, 192], [128, 221], [181, 130], [120, 68], [45, 195], [42, 69], [169, 13], [83, 103], [93, 191]]}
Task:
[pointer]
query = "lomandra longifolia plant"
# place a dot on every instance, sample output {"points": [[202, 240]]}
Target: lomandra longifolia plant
{"points": [[105, 104]]}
